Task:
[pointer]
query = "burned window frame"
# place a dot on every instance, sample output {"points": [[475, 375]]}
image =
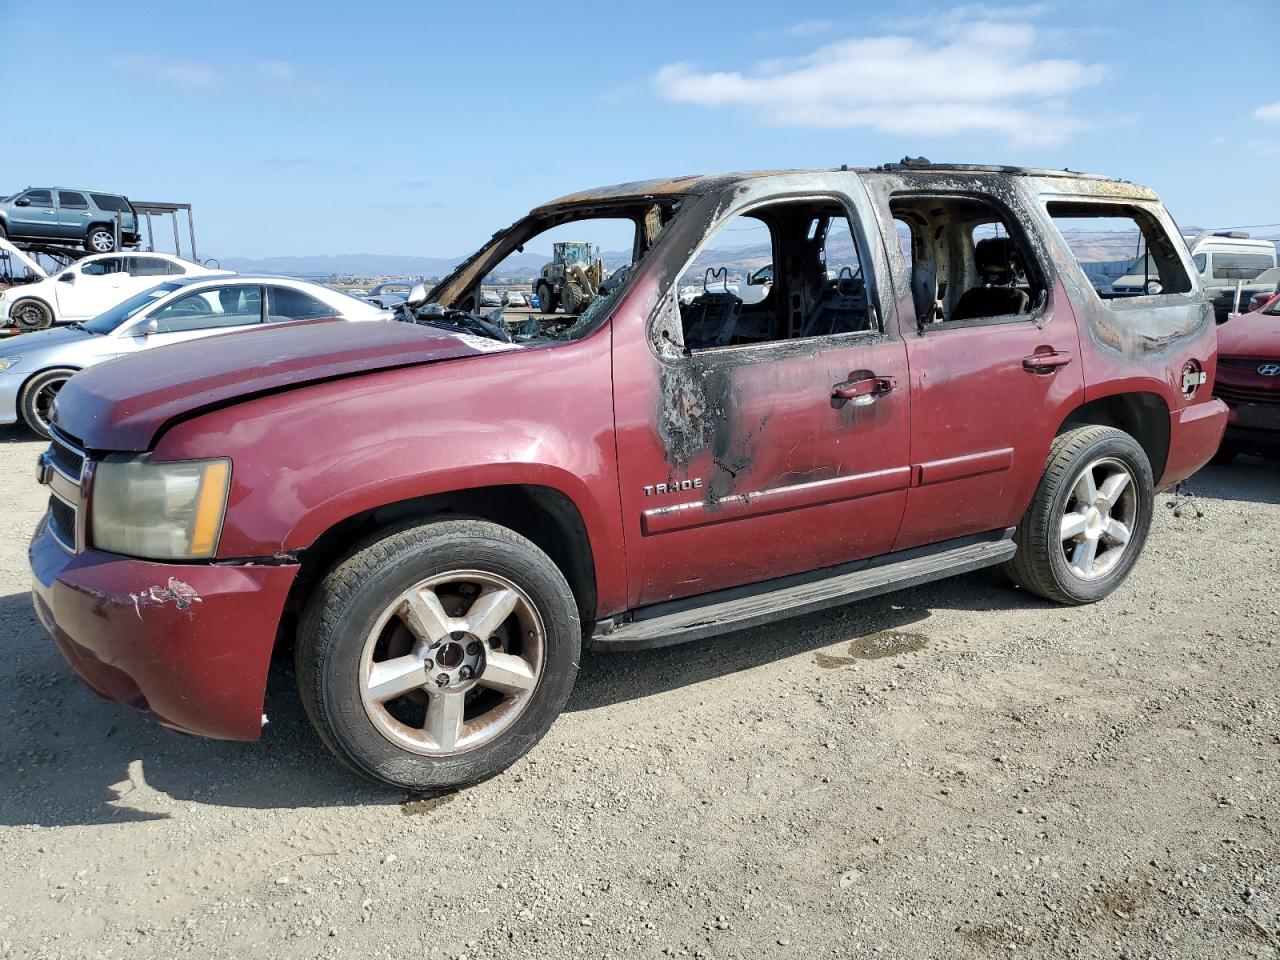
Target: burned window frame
{"points": [[666, 323], [1037, 267], [1172, 253]]}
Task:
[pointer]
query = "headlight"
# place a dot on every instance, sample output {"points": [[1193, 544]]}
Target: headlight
{"points": [[160, 511], [8, 363]]}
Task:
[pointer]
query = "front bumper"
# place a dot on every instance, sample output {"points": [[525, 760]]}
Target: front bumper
{"points": [[188, 643], [1195, 433], [10, 387], [1255, 427]]}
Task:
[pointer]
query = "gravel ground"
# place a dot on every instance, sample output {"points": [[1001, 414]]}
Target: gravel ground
{"points": [[958, 770]]}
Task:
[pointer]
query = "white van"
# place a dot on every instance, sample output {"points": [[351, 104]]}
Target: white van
{"points": [[1223, 261]]}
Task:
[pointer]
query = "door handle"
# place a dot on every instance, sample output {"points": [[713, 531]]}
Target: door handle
{"points": [[1047, 362], [864, 387]]}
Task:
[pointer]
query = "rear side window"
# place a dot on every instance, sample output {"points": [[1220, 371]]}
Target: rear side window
{"points": [[148, 267], [1123, 250], [1240, 266], [106, 201], [285, 303], [68, 199]]}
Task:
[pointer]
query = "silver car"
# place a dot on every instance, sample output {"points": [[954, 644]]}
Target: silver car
{"points": [[34, 366]]}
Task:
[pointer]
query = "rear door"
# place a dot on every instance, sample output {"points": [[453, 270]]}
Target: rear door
{"points": [[988, 391], [73, 214], [774, 439]]}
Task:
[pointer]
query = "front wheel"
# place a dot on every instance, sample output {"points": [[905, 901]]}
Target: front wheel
{"points": [[35, 403], [99, 239], [31, 314], [546, 299], [1089, 519], [438, 654]]}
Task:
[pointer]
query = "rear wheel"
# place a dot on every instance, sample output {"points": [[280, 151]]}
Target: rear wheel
{"points": [[1089, 519], [100, 239], [31, 314], [437, 655], [35, 403]]}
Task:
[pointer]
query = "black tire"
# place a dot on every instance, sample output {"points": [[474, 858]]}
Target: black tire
{"points": [[31, 314], [1041, 565], [347, 605], [100, 238], [37, 396], [546, 299], [1226, 453], [573, 298]]}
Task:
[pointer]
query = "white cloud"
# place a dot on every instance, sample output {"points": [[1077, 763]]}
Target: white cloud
{"points": [[1270, 112], [979, 76]]}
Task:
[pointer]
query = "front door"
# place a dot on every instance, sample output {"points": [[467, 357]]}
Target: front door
{"points": [[92, 286], [37, 217], [762, 439]]}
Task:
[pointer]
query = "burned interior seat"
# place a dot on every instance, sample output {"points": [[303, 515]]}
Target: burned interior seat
{"points": [[995, 258], [842, 308], [709, 320]]}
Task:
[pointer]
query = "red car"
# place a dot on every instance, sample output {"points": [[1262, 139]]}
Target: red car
{"points": [[1249, 381], [438, 516]]}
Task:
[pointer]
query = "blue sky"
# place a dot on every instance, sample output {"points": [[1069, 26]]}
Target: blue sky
{"points": [[421, 128]]}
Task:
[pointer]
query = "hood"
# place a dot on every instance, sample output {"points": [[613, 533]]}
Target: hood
{"points": [[1250, 335], [17, 255], [25, 344], [123, 404]]}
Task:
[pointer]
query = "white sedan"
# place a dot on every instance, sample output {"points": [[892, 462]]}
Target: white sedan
{"points": [[34, 366], [92, 285]]}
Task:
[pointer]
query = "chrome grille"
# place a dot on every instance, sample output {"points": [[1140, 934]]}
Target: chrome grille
{"points": [[1235, 395], [62, 523], [62, 468]]}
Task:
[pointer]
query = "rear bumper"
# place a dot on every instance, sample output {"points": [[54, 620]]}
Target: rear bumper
{"points": [[190, 644], [1195, 433]]}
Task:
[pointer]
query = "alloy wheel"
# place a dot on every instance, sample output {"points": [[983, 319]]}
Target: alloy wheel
{"points": [[452, 662], [1099, 517]]}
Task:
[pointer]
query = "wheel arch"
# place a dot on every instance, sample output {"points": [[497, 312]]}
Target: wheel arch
{"points": [[1144, 415], [544, 515]]}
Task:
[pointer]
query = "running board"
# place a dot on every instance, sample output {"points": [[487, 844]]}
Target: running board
{"points": [[739, 613]]}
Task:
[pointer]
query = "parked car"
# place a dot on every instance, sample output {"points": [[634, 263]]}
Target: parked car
{"points": [[90, 286], [36, 366], [17, 269], [448, 516], [487, 299], [62, 215], [1224, 260], [390, 292], [1249, 382], [515, 298], [1267, 285]]}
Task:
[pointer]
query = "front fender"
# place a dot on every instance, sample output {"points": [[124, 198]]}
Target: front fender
{"points": [[306, 459]]}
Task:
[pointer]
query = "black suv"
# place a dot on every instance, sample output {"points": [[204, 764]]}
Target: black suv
{"points": [[59, 215]]}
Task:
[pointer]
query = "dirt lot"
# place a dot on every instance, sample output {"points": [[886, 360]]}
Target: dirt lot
{"points": [[952, 771]]}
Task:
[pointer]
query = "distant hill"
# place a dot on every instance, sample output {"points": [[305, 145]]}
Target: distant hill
{"points": [[1089, 246]]}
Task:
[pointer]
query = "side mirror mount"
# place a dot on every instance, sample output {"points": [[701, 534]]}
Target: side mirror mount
{"points": [[417, 296], [1154, 287], [67, 277]]}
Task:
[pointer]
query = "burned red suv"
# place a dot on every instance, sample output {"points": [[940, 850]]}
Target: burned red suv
{"points": [[438, 514]]}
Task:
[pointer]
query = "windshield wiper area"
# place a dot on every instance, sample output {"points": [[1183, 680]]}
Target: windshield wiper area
{"points": [[435, 315], [77, 325]]}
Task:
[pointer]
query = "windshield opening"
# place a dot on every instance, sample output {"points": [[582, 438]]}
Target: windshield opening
{"points": [[117, 315], [554, 275]]}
